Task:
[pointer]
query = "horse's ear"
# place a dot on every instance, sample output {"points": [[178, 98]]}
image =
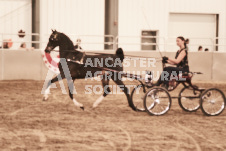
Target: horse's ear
{"points": [[52, 30], [55, 30]]}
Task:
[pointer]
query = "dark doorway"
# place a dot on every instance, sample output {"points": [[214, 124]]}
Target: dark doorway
{"points": [[148, 40]]}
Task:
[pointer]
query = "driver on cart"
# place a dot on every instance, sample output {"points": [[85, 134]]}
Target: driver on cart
{"points": [[181, 62]]}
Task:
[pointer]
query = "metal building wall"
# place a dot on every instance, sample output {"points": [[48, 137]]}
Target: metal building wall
{"points": [[15, 15], [204, 7], [137, 15], [73, 17]]}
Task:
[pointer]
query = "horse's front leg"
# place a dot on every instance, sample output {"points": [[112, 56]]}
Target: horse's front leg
{"points": [[122, 86], [47, 90], [71, 90]]}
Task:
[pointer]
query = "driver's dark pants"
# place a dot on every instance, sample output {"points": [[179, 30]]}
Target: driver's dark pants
{"points": [[165, 76]]}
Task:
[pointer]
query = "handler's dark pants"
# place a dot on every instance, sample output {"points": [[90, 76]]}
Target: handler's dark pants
{"points": [[167, 72]]}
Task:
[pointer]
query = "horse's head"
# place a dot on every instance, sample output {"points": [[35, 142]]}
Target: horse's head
{"points": [[53, 41]]}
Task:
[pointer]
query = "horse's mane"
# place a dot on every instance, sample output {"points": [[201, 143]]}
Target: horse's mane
{"points": [[66, 38]]}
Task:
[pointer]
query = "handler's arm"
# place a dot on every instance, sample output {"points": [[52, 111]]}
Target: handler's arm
{"points": [[179, 58]]}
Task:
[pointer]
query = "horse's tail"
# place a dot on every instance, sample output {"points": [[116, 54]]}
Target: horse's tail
{"points": [[120, 54]]}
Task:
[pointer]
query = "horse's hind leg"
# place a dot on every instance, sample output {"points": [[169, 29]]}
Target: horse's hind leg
{"points": [[123, 88], [47, 90], [105, 84], [71, 89]]}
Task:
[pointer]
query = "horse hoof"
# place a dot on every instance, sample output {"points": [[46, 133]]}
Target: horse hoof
{"points": [[44, 99], [82, 108]]}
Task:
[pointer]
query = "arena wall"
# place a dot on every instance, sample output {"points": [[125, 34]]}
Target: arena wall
{"points": [[19, 64], [138, 15]]}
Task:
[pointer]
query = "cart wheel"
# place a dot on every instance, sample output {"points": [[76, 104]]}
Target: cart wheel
{"points": [[157, 101], [137, 95], [212, 102], [189, 99]]}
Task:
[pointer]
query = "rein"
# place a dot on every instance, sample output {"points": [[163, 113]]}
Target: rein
{"points": [[128, 75], [98, 53]]}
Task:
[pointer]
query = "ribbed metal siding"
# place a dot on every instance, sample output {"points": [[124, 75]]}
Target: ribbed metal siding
{"points": [[137, 15]]}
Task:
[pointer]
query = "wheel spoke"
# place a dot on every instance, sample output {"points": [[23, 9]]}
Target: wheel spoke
{"points": [[213, 102], [151, 106], [157, 101], [189, 99], [137, 95]]}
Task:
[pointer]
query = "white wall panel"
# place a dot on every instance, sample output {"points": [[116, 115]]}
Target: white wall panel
{"points": [[201, 26], [204, 7], [74, 17], [137, 15]]}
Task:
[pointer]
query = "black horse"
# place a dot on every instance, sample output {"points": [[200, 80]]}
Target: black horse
{"points": [[79, 71]]}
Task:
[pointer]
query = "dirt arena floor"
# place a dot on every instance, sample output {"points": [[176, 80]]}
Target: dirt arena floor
{"points": [[28, 123]]}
